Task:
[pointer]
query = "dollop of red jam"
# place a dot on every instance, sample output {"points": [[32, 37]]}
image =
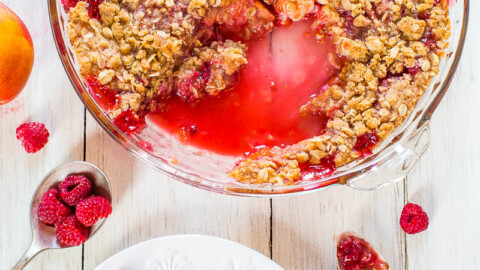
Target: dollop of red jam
{"points": [[263, 108], [365, 144], [108, 98], [129, 122], [324, 169], [354, 253]]}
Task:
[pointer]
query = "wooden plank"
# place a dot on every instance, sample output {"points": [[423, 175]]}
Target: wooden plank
{"points": [[447, 180], [305, 228], [147, 204], [48, 98]]}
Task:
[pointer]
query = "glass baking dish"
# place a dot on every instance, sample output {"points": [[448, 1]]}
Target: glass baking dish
{"points": [[390, 162]]}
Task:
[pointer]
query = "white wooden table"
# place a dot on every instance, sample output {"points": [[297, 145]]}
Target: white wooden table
{"points": [[297, 232]]}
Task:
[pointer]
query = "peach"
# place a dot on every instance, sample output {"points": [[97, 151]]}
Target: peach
{"points": [[16, 54]]}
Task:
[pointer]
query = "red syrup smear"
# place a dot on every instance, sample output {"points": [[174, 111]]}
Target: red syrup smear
{"points": [[365, 144], [325, 169], [106, 97], [284, 70]]}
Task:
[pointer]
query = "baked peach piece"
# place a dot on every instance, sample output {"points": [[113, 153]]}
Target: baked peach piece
{"points": [[16, 55]]}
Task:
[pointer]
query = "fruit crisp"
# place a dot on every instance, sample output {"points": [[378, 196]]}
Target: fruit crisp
{"points": [[137, 55]]}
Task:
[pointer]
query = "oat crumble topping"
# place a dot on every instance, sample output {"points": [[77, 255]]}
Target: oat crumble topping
{"points": [[388, 52]]}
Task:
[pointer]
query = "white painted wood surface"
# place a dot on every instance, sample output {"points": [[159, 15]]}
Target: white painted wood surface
{"points": [[297, 232]]}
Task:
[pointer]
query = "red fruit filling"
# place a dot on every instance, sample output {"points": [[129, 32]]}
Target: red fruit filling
{"points": [[239, 120], [236, 21], [91, 209], [74, 188], [185, 134], [430, 40], [68, 4], [92, 7], [365, 144], [129, 122], [108, 98], [414, 70], [195, 83], [51, 210], [325, 169], [354, 253], [33, 136], [413, 219], [70, 232]]}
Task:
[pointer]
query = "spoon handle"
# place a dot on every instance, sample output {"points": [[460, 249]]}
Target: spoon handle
{"points": [[33, 250]]}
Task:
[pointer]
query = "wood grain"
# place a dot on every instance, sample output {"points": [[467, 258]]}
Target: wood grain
{"points": [[305, 228], [48, 98], [446, 182], [302, 229], [147, 204]]}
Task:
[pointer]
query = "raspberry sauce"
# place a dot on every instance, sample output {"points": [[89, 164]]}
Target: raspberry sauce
{"points": [[354, 253], [284, 70], [365, 144]]}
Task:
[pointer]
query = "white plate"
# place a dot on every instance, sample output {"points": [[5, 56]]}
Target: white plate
{"points": [[188, 252]]}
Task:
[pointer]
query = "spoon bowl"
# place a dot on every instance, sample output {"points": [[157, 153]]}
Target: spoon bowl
{"points": [[43, 236]]}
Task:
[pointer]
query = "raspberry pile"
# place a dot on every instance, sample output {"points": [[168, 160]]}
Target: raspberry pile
{"points": [[72, 209], [33, 135]]}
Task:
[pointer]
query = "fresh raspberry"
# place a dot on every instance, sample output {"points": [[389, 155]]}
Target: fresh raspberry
{"points": [[70, 232], [74, 188], [33, 136], [51, 210], [413, 219], [93, 208]]}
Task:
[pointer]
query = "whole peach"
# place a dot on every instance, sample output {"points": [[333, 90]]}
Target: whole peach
{"points": [[16, 55]]}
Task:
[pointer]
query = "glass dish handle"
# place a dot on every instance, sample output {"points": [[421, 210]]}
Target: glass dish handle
{"points": [[394, 167]]}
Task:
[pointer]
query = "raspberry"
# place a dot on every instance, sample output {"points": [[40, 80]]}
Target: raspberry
{"points": [[51, 210], [74, 188], [413, 219], [93, 208], [33, 136], [70, 232]]}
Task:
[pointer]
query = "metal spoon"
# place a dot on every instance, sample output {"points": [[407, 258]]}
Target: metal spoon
{"points": [[43, 236]]}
